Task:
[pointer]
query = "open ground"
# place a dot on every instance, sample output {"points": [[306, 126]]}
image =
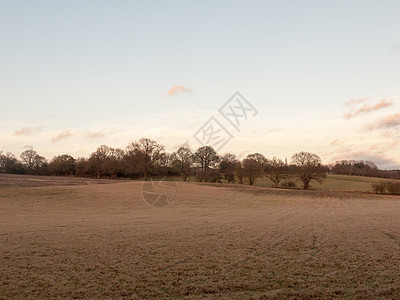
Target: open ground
{"points": [[70, 238]]}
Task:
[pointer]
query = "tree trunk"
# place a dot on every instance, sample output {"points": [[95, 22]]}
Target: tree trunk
{"points": [[306, 185]]}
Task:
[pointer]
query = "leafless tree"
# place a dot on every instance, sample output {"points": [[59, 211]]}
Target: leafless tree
{"points": [[309, 168], [97, 161], [275, 171], [206, 157], [113, 162], [33, 162], [62, 165], [148, 154], [260, 159], [227, 166], [83, 167], [252, 168], [182, 161], [239, 173]]}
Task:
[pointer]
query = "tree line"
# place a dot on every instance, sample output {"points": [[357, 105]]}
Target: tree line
{"points": [[147, 158], [363, 168]]}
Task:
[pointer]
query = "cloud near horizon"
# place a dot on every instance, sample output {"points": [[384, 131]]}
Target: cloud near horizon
{"points": [[390, 121], [28, 130], [178, 89], [97, 134], [367, 108], [62, 136], [355, 101]]}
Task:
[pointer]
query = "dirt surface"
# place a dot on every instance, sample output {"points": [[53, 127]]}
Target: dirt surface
{"points": [[105, 241], [36, 181]]}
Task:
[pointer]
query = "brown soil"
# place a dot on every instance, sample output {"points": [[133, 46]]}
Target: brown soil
{"points": [[36, 181], [104, 241]]}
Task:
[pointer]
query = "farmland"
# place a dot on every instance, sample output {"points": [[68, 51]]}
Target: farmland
{"points": [[335, 182], [80, 238]]}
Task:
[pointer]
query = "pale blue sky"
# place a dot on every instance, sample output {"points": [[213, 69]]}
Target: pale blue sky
{"points": [[85, 67]]}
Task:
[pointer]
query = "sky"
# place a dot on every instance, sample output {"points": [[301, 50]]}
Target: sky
{"points": [[319, 76]]}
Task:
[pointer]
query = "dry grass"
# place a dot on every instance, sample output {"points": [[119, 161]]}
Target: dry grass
{"points": [[334, 182], [103, 241]]}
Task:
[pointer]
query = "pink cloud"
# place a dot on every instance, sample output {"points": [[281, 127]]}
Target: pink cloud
{"points": [[62, 136], [96, 135], [367, 108], [386, 122], [336, 142], [178, 89], [28, 130], [355, 101]]}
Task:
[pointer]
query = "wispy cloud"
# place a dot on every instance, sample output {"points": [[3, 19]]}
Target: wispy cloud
{"points": [[97, 134], [28, 130], [274, 130], [386, 122], [367, 108], [178, 89], [355, 101], [62, 136], [336, 142]]}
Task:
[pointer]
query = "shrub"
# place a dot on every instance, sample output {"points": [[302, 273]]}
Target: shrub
{"points": [[215, 177], [289, 184], [230, 178], [209, 176], [379, 188], [393, 188]]}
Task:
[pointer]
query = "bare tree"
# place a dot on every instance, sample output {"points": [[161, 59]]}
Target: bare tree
{"points": [[252, 169], [2, 162], [113, 162], [182, 161], [260, 159], [239, 173], [149, 154], [309, 168], [97, 160], [28, 158], [62, 165], [207, 157], [33, 162], [227, 166], [83, 167], [10, 164], [275, 171]]}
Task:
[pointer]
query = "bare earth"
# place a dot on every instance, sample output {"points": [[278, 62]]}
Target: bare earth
{"points": [[232, 242]]}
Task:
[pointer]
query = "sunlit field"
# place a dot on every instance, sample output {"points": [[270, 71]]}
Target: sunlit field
{"points": [[332, 182], [78, 238]]}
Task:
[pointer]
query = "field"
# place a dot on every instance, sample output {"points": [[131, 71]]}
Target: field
{"points": [[332, 182], [335, 182], [78, 238]]}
